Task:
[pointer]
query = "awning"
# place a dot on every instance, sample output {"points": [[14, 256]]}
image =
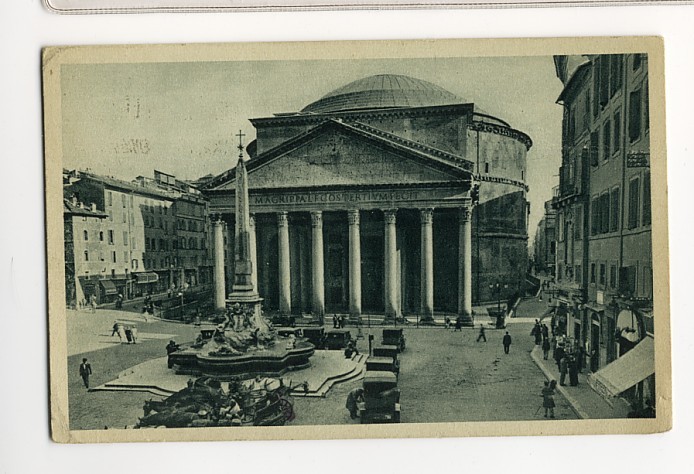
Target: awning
{"points": [[109, 287], [147, 277], [625, 372]]}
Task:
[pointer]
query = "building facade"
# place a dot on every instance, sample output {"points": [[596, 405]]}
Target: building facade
{"points": [[140, 246], [544, 248], [361, 202], [603, 204]]}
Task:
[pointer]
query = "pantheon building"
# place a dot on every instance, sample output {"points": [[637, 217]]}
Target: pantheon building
{"points": [[361, 203]]}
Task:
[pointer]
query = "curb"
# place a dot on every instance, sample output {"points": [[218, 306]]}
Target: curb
{"points": [[575, 406]]}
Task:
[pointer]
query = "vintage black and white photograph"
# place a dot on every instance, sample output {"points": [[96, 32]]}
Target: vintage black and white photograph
{"points": [[270, 239]]}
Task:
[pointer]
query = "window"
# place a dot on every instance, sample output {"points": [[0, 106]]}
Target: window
{"points": [[571, 133], [594, 148], [86, 255], [86, 235], [154, 244], [110, 216], [606, 140], [113, 256], [615, 72], [113, 273], [110, 198], [125, 256], [124, 218], [604, 213], [602, 274], [125, 237], [636, 62], [131, 202], [592, 273], [595, 217], [647, 198], [635, 115], [486, 167], [586, 110], [146, 244], [124, 199], [613, 276], [175, 244], [578, 223], [604, 80], [646, 107], [161, 244], [634, 188], [617, 131], [101, 236], [135, 264], [614, 210], [110, 237], [578, 273]]}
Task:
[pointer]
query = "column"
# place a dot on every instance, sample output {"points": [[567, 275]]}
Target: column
{"points": [[253, 250], [354, 265], [465, 266], [427, 275], [391, 264], [219, 284], [318, 279], [284, 275]]}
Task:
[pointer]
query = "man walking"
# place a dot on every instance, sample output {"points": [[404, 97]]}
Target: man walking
{"points": [[563, 369], [85, 372], [507, 342], [482, 335]]}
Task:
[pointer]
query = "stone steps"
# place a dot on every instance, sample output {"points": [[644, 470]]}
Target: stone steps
{"points": [[325, 387]]}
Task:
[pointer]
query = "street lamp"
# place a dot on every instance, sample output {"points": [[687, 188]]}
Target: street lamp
{"points": [[496, 288]]}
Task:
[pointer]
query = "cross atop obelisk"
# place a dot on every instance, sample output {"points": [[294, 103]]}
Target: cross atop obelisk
{"points": [[240, 147]]}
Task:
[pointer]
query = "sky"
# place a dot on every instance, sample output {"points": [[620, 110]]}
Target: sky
{"points": [[126, 120]]}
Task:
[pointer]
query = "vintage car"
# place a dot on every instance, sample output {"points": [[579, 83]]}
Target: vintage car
{"points": [[394, 337], [383, 364], [315, 336], [285, 332], [337, 339], [386, 351], [381, 399], [283, 320]]}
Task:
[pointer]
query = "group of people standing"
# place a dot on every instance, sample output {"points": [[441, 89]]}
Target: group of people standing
{"points": [[338, 321], [125, 332]]}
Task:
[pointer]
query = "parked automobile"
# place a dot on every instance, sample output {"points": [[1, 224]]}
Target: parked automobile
{"points": [[381, 398], [386, 351], [315, 336], [337, 339], [283, 320], [394, 337], [383, 364], [284, 332]]}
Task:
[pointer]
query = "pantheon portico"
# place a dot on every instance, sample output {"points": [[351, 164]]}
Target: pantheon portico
{"points": [[360, 203]]}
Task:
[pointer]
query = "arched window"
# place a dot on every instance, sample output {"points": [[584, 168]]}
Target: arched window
{"points": [[101, 236], [86, 255], [86, 235]]}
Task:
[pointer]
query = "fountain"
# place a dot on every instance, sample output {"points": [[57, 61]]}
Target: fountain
{"points": [[245, 344]]}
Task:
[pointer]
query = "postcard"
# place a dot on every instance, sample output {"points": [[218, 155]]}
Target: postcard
{"points": [[358, 239]]}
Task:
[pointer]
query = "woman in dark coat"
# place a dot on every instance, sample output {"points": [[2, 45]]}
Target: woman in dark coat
{"points": [[573, 371], [548, 398]]}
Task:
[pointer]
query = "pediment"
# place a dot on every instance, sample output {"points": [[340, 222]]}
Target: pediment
{"points": [[334, 156]]}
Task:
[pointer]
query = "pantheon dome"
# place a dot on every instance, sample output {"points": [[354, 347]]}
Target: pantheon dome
{"points": [[383, 91]]}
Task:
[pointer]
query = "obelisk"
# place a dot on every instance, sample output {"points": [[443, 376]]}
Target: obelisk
{"points": [[242, 290]]}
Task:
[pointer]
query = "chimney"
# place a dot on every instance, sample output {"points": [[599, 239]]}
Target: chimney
{"points": [[93, 207], [74, 200]]}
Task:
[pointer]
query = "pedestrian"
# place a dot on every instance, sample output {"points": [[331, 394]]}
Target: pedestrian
{"points": [[117, 330], [133, 332], [545, 331], [573, 371], [128, 334], [171, 347], [335, 326], [481, 334], [93, 303], [548, 398], [342, 322], [354, 397], [563, 369], [559, 355], [545, 348], [85, 372], [447, 322], [507, 342], [458, 324]]}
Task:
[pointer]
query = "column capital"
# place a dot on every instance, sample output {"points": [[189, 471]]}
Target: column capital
{"points": [[317, 218], [426, 215], [282, 219], [353, 216], [389, 215], [465, 214]]}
